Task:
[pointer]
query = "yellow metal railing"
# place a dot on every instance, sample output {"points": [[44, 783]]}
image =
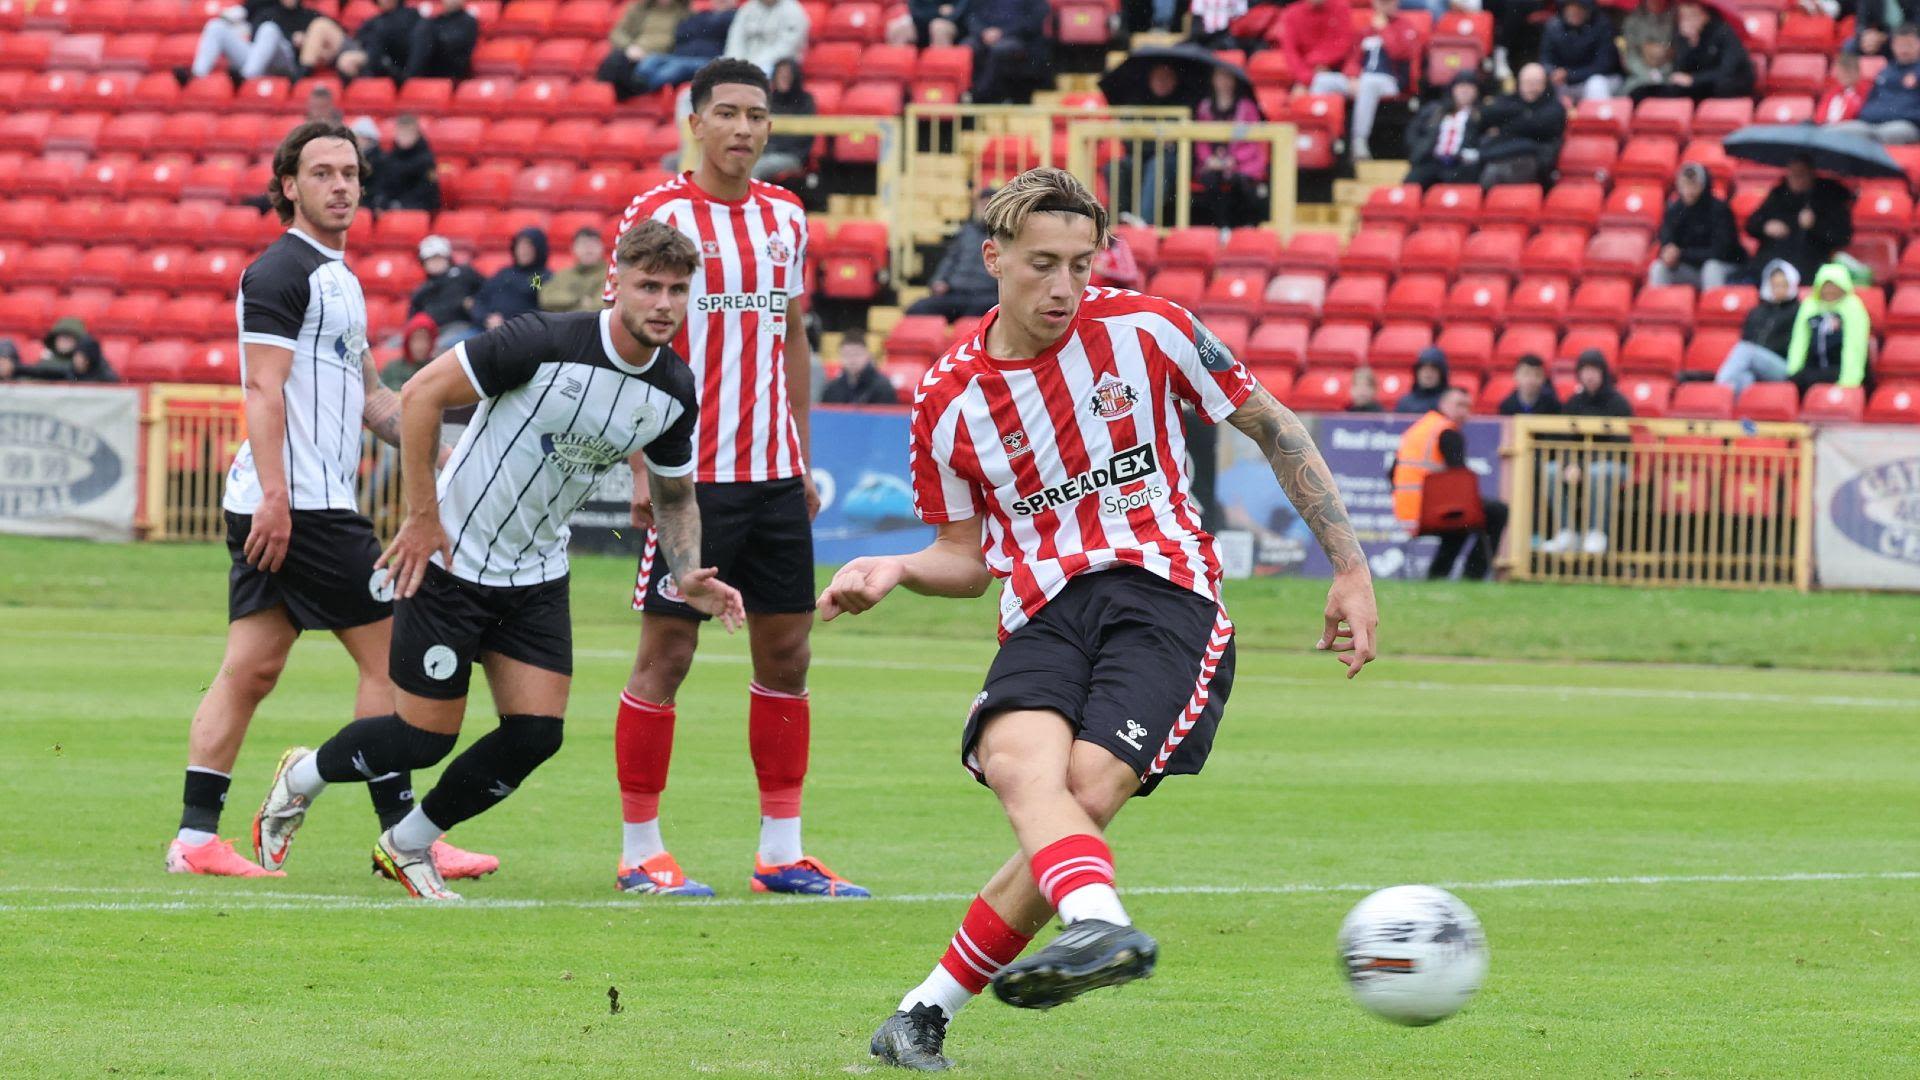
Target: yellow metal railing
{"points": [[1115, 153], [192, 433], [1661, 502]]}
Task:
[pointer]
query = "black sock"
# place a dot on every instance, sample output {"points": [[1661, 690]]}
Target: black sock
{"points": [[205, 796], [374, 746], [392, 797], [491, 768]]}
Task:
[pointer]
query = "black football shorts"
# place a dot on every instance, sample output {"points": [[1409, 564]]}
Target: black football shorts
{"points": [[327, 580], [757, 535], [446, 625]]}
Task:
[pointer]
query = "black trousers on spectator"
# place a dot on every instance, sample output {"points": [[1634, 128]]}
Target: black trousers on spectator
{"points": [[954, 305], [434, 58], [1001, 72], [1513, 27], [1480, 558], [1434, 171], [618, 70], [1227, 200]]}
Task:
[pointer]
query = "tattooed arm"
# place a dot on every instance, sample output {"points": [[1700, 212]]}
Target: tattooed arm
{"points": [[381, 413], [676, 519], [1303, 474]]}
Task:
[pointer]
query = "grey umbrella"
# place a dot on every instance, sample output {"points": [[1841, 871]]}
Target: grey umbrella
{"points": [[1126, 84], [1831, 151]]}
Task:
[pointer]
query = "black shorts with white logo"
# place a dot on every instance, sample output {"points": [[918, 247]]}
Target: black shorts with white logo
{"points": [[1138, 665], [757, 534], [327, 580], [439, 631]]}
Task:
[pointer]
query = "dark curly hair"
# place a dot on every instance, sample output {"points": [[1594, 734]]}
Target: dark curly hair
{"points": [[286, 161], [723, 72]]}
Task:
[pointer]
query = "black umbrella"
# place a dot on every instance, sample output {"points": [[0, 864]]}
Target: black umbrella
{"points": [[1194, 66], [1831, 151]]}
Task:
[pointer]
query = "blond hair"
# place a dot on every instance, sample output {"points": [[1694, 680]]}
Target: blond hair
{"points": [[657, 246], [1040, 191]]}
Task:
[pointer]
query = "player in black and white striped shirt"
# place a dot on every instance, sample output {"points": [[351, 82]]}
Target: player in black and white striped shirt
{"points": [[303, 557], [481, 570]]}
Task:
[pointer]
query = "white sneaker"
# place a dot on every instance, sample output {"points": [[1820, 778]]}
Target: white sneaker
{"points": [[280, 816], [414, 870], [1595, 543], [1361, 151], [1501, 70], [1561, 543]]}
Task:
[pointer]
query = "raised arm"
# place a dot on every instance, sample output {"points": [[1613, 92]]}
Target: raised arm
{"points": [[1351, 616], [676, 520], [266, 409], [950, 566]]}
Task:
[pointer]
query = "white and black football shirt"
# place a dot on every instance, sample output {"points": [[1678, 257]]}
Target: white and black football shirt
{"points": [[300, 296], [558, 408]]}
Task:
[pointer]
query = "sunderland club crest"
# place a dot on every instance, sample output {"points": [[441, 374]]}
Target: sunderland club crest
{"points": [[777, 251], [1112, 398]]}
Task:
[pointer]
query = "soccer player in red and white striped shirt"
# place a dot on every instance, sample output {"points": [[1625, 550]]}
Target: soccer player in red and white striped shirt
{"points": [[1047, 451], [751, 363]]}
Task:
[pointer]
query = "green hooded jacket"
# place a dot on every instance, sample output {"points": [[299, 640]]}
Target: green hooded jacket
{"points": [[1843, 330]]}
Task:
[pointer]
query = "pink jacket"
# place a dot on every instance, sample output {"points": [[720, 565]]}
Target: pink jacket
{"points": [[1249, 158]]}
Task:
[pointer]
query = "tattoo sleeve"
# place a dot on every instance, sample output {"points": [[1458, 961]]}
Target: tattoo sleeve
{"points": [[676, 518], [1303, 475], [382, 411]]}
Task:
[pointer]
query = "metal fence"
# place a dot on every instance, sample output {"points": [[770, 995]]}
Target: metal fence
{"points": [[1661, 502]]}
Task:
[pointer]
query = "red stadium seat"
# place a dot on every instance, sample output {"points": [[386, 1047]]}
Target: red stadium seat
{"points": [[217, 270], [1480, 298], [1574, 204], [565, 57], [1648, 394], [1256, 248], [582, 19], [1339, 345], [1588, 339], [394, 274], [917, 337], [889, 63], [426, 97], [1789, 107], [163, 268], [1588, 157], [48, 264], [1434, 248], [834, 61], [853, 21], [1232, 292], [504, 57], [542, 187], [1601, 302], [1391, 383], [1707, 350], [1769, 401], [1418, 298], [1719, 117], [1464, 28], [1323, 390], [1607, 117], [1083, 22], [1793, 74], [853, 261], [1451, 202], [1277, 344], [1294, 296], [157, 361], [1515, 204], [523, 18], [1728, 306], [1711, 156], [244, 134], [1671, 117], [484, 96], [1398, 345], [134, 314], [1321, 119], [1493, 250], [1621, 253], [948, 66], [1356, 298], [1899, 357], [1664, 305], [1829, 402], [1653, 351], [1193, 248], [1648, 159], [1375, 250], [25, 52], [1487, 402], [1554, 252], [1523, 340], [1882, 208], [1392, 204], [1315, 251], [1182, 285], [76, 52], [44, 176], [1469, 346], [1704, 401], [1895, 403], [1634, 206], [25, 131], [375, 96]]}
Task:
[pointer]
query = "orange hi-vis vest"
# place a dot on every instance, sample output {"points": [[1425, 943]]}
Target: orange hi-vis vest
{"points": [[1419, 454]]}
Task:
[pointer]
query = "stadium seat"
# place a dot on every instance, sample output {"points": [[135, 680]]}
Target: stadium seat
{"points": [[505, 57], [1339, 344], [1358, 298], [1620, 253], [1792, 74], [1648, 394], [1711, 156], [920, 338], [944, 65], [1232, 292], [156, 361], [1256, 249], [215, 362], [1322, 390], [25, 52], [76, 52], [1607, 117], [1493, 250], [1391, 204], [47, 264], [1583, 339], [1670, 117], [432, 98], [1417, 298], [1522, 340], [25, 131], [1588, 157], [853, 21], [1895, 403], [1663, 305], [1397, 346], [1572, 203], [1634, 206], [1716, 118], [1768, 401], [1788, 108], [582, 19], [1194, 248], [488, 187], [1277, 344], [1653, 351], [1540, 299], [1182, 285], [393, 274], [1294, 296], [1515, 204], [482, 96], [1469, 346], [1707, 350], [1451, 202], [853, 261], [1899, 357], [888, 63], [565, 57], [1602, 302], [542, 187], [1391, 383], [133, 314], [1728, 306], [1829, 402], [1561, 252], [1371, 250], [1478, 298], [1703, 401], [44, 176], [217, 270], [1320, 119], [1882, 208], [1434, 248], [1487, 401], [1648, 159], [1310, 251]]}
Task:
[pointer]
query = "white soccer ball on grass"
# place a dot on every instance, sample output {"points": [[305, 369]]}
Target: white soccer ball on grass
{"points": [[1413, 954]]}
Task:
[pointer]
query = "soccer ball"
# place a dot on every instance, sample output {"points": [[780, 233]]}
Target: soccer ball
{"points": [[1413, 954]]}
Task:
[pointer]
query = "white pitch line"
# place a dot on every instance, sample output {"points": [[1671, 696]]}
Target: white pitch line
{"points": [[200, 900]]}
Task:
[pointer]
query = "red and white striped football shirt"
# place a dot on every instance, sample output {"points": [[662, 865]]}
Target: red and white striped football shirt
{"points": [[1076, 456], [753, 261]]}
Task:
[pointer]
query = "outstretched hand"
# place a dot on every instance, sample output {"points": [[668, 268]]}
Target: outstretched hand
{"points": [[707, 594], [858, 586], [1351, 621]]}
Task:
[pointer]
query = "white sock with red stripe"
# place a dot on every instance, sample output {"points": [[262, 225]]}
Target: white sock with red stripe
{"points": [[1075, 874], [980, 948]]}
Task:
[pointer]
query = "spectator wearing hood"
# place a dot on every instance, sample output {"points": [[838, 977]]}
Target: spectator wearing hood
{"points": [[442, 46], [406, 177], [1846, 91], [448, 291], [1709, 60], [859, 381], [765, 32], [1761, 353], [418, 346], [1891, 112], [1804, 219], [1699, 244], [514, 290], [578, 287], [380, 45], [1521, 132], [1377, 66], [69, 354], [1316, 36], [646, 28], [1533, 393], [960, 285], [1831, 332], [1578, 51], [786, 155], [1430, 381], [1588, 480], [1444, 139]]}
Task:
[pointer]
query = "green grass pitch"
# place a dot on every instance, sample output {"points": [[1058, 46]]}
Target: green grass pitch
{"points": [[1684, 870]]}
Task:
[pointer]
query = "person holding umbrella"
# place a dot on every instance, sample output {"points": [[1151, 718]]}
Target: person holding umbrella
{"points": [[1227, 175], [1377, 67], [1892, 110], [1803, 220]]}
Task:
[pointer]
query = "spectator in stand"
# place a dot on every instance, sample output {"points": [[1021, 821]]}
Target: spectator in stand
{"points": [[765, 32], [69, 354], [447, 293], [1115, 267], [1891, 113], [1485, 540], [928, 22], [250, 43], [1431, 381], [1227, 175], [1151, 203], [317, 39], [1212, 23], [10, 369], [1846, 92], [1650, 20], [787, 155], [366, 132], [1699, 243], [1593, 486], [514, 290], [699, 37], [1377, 67], [418, 347], [1804, 220], [1521, 132], [860, 381], [1874, 22], [961, 285], [1533, 393], [1761, 353], [1831, 333], [381, 44], [577, 288], [405, 177], [442, 47], [646, 28], [1316, 37], [1444, 139], [1516, 34], [1579, 53], [322, 108], [1010, 44], [1363, 394], [1419, 452], [1709, 60], [1649, 64]]}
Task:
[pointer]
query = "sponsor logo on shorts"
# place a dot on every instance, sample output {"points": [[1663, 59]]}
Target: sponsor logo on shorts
{"points": [[380, 586], [1112, 398], [1132, 735], [573, 453], [669, 591], [1124, 467], [439, 663]]}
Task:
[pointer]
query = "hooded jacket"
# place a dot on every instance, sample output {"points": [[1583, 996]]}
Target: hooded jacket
{"points": [[1581, 51], [515, 290], [445, 297], [1547, 404], [1895, 95], [1417, 400], [1806, 249], [64, 367], [1770, 324], [764, 34], [406, 179], [794, 102], [1606, 401], [1719, 64], [406, 365], [1315, 36], [1830, 339], [1703, 230]]}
